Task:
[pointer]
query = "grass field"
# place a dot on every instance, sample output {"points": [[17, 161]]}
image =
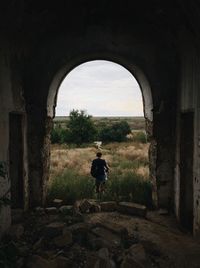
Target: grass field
{"points": [[128, 179]]}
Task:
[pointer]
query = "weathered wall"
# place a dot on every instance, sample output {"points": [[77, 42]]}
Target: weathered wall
{"points": [[189, 101], [45, 38], [156, 60], [5, 107], [11, 101]]}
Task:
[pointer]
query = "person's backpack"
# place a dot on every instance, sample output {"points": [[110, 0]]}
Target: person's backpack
{"points": [[93, 171]]}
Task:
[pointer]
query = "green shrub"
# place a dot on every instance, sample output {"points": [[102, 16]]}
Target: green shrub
{"points": [[81, 128], [140, 136], [115, 132]]}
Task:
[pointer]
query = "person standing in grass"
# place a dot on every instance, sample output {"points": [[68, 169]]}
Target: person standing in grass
{"points": [[99, 170]]}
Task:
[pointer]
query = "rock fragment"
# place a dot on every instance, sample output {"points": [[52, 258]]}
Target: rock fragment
{"points": [[51, 210], [132, 209], [108, 206]]}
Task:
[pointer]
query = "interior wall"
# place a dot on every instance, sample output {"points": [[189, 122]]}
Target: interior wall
{"points": [[5, 107], [11, 99], [186, 169], [16, 159], [189, 102]]}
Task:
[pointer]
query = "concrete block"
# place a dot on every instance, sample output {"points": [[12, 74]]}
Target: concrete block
{"points": [[54, 229], [130, 262], [132, 209], [81, 227], [37, 261], [67, 210], [57, 202], [51, 210], [107, 235], [63, 240], [114, 228], [16, 231], [108, 206], [85, 205]]}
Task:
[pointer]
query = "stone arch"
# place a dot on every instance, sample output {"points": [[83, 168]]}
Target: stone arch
{"points": [[145, 64], [137, 73], [146, 92]]}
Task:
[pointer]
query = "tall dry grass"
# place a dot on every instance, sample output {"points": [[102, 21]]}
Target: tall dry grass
{"points": [[70, 177]]}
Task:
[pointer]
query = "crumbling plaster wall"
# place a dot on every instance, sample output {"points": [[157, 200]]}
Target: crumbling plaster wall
{"points": [[11, 101], [189, 100], [5, 107]]}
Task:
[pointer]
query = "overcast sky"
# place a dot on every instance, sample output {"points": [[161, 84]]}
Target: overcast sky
{"points": [[102, 88]]}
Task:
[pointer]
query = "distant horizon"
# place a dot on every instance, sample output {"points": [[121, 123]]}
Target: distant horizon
{"points": [[105, 115], [102, 88]]}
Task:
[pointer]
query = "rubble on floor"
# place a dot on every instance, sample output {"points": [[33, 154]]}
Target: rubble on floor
{"points": [[64, 236]]}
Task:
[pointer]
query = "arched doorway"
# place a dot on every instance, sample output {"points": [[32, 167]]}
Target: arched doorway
{"points": [[154, 86], [147, 106]]}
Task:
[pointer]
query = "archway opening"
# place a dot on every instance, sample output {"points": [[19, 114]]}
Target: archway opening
{"points": [[111, 95]]}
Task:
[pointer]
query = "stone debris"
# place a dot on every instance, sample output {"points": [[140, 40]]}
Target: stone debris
{"points": [[38, 243], [132, 209], [85, 206], [68, 240], [57, 202], [23, 250], [66, 210], [34, 261], [130, 262], [16, 231], [95, 208], [91, 260], [47, 254], [95, 261], [40, 210], [103, 233], [51, 210], [62, 262], [63, 240], [138, 252], [80, 227], [97, 243], [104, 263], [17, 215], [53, 229], [92, 206], [163, 211], [114, 227], [103, 253], [108, 206], [79, 231]]}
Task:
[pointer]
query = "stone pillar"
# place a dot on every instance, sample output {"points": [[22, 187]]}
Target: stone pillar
{"points": [[164, 133], [38, 154]]}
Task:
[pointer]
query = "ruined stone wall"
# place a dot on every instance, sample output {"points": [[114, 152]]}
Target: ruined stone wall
{"points": [[189, 101], [67, 51], [11, 100], [5, 107]]}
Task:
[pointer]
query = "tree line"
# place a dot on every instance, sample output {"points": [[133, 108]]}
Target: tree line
{"points": [[81, 129]]}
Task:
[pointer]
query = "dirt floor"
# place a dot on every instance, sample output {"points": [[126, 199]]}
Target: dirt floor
{"points": [[64, 237], [165, 244]]}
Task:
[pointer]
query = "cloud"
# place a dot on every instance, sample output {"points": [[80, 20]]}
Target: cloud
{"points": [[102, 88]]}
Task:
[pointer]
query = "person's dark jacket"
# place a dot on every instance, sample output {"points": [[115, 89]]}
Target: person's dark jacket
{"points": [[99, 167]]}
